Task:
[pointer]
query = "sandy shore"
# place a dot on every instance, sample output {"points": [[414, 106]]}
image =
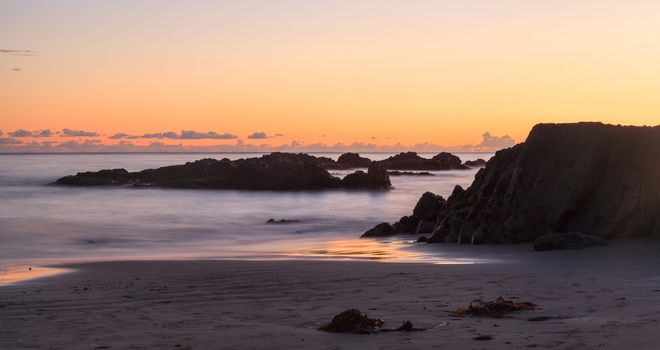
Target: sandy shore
{"points": [[597, 298]]}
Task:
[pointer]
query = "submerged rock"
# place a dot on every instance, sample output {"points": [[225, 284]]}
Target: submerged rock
{"points": [[276, 171], [567, 240], [479, 163]]}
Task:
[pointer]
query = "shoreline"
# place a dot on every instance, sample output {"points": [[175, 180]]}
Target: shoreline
{"points": [[598, 297]]}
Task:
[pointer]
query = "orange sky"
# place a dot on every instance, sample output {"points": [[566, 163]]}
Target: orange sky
{"points": [[381, 72]]}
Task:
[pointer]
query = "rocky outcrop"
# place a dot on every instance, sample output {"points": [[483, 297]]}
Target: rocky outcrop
{"points": [[412, 161], [409, 173], [381, 230], [354, 160], [276, 171], [596, 179], [422, 220], [478, 163], [600, 180], [567, 240], [375, 178], [448, 161]]}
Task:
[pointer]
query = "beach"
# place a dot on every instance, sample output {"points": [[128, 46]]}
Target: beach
{"points": [[603, 297]]}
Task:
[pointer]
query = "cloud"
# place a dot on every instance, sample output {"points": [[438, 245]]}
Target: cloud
{"points": [[18, 52], [20, 133], [490, 141], [120, 135], [186, 135], [27, 133], [10, 141], [193, 135], [78, 133], [161, 135], [259, 135]]}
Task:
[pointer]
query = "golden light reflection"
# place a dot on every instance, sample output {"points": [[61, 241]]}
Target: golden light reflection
{"points": [[23, 273], [380, 250]]}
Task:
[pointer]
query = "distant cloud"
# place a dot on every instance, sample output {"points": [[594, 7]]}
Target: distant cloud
{"points": [[78, 133], [259, 135], [10, 141], [27, 133], [193, 135], [161, 135], [490, 141], [18, 52], [120, 135], [185, 135], [20, 133]]}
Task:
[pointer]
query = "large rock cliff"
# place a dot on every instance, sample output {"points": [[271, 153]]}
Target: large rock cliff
{"points": [[601, 180]]}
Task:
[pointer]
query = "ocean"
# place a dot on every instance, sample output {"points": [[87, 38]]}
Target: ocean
{"points": [[42, 224]]}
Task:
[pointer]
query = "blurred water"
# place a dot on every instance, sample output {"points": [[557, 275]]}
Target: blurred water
{"points": [[45, 224]]}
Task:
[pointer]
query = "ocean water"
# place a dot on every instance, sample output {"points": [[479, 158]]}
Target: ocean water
{"points": [[42, 224]]}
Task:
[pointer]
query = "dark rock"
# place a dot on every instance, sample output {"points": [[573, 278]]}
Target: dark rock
{"points": [[100, 178], [282, 221], [479, 163], [276, 171], [422, 239], [381, 230], [567, 240], [483, 337], [412, 161], [407, 223], [600, 180], [428, 206], [375, 178], [425, 226], [448, 161], [354, 160], [409, 173], [352, 321]]}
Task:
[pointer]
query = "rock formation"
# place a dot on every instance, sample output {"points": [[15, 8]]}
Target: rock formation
{"points": [[479, 163], [276, 171], [354, 160], [596, 179], [412, 161], [422, 220]]}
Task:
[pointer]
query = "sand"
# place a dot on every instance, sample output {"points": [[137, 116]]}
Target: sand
{"points": [[604, 298]]}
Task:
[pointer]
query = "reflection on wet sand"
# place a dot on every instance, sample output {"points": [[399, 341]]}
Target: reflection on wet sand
{"points": [[24, 273], [379, 250]]}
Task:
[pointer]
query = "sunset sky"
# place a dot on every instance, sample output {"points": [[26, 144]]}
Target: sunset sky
{"points": [[298, 73]]}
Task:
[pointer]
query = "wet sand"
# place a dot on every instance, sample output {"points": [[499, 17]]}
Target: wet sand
{"points": [[604, 298]]}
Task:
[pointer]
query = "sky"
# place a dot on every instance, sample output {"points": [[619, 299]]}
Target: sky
{"points": [[319, 75]]}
